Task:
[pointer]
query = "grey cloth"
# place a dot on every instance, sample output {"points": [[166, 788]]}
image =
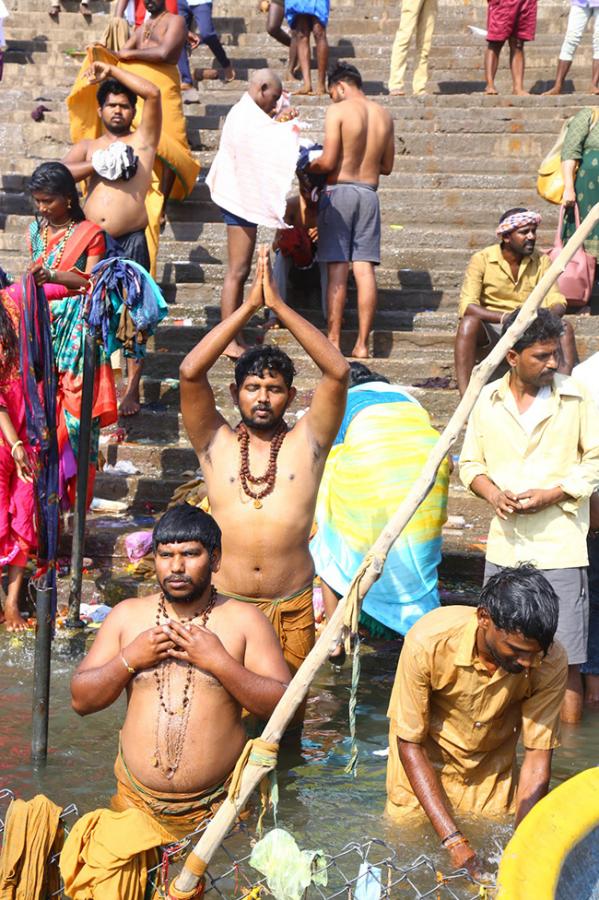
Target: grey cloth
{"points": [[571, 587], [349, 224], [493, 333]]}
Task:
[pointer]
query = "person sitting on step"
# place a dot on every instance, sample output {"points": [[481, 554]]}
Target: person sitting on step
{"points": [[497, 281]]}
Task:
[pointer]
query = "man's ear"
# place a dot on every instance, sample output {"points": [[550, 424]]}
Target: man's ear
{"points": [[292, 396], [511, 357], [234, 391], [99, 112], [484, 619], [215, 561]]}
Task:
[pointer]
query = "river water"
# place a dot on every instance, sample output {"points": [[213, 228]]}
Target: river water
{"points": [[323, 807]]}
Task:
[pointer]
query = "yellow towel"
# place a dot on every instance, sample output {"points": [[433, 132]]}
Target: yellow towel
{"points": [[33, 832], [173, 149], [108, 854]]}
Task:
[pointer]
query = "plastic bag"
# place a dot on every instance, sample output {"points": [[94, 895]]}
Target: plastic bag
{"points": [[288, 870]]}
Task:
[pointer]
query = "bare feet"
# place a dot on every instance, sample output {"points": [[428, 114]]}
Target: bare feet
{"points": [[321, 89], [130, 405], [229, 73], [234, 350], [304, 91], [335, 342], [491, 90], [13, 619], [555, 91], [397, 93], [360, 351], [594, 89], [520, 92], [186, 86]]}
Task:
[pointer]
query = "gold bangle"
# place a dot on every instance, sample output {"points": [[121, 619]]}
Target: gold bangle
{"points": [[129, 668]]}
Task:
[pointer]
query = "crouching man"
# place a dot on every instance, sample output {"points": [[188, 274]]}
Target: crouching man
{"points": [[468, 682], [189, 660]]}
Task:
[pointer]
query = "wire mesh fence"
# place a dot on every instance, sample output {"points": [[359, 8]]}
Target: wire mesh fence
{"points": [[359, 870]]}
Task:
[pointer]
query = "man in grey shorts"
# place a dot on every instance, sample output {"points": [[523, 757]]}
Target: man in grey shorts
{"points": [[359, 147], [532, 452]]}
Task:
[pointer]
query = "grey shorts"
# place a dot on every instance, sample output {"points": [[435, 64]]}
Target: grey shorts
{"points": [[349, 224], [571, 587]]}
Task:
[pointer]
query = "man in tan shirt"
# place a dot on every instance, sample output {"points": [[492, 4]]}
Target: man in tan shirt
{"points": [[497, 281], [468, 683], [531, 451]]}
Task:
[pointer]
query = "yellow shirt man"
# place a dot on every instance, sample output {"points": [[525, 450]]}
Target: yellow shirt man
{"points": [[468, 720]]}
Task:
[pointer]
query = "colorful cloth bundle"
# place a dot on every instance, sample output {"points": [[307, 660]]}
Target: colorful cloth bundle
{"points": [[124, 305], [382, 445], [37, 367]]}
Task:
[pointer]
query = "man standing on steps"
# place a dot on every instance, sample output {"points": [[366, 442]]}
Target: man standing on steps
{"points": [[514, 21], [249, 179], [531, 451], [262, 477], [118, 169], [359, 147], [498, 280], [417, 17], [581, 12]]}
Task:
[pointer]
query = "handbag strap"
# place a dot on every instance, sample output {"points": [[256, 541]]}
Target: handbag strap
{"points": [[560, 224]]}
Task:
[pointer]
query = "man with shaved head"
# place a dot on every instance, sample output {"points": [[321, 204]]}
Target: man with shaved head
{"points": [[236, 185]]}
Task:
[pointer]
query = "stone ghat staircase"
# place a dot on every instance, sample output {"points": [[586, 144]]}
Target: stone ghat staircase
{"points": [[462, 158]]}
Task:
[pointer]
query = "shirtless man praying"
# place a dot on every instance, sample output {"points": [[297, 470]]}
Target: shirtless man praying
{"points": [[359, 147], [189, 660], [262, 477], [117, 203]]}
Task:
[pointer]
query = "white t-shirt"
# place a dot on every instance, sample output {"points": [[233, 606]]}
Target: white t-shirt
{"points": [[537, 410], [587, 374]]}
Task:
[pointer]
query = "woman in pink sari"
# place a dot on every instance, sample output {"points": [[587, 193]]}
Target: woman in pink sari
{"points": [[17, 502]]}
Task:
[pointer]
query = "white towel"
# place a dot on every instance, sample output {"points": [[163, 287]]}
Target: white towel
{"points": [[252, 172]]}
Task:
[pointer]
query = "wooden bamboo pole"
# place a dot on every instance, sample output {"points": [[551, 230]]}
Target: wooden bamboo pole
{"points": [[373, 563]]}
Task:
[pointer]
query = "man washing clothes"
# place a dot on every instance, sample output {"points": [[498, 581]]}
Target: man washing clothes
{"points": [[189, 659], [118, 170]]}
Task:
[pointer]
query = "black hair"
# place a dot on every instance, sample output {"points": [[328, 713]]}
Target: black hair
{"points": [[113, 86], [256, 360], [512, 212], [361, 374], [183, 523], [54, 178], [521, 600], [344, 71], [546, 327], [9, 342]]}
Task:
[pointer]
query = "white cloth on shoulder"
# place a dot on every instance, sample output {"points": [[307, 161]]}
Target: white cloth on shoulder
{"points": [[115, 161], [253, 170]]}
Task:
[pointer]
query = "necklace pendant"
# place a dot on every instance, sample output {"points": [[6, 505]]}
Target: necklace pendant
{"points": [[169, 773], [154, 762], [258, 503]]}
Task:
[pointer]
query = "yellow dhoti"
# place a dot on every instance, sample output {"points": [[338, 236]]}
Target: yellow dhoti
{"points": [[292, 618], [173, 149], [179, 814]]}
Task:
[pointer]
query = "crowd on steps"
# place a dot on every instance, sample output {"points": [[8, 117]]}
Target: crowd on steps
{"points": [[289, 512]]}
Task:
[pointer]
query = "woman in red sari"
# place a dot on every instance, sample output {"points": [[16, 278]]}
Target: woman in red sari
{"points": [[64, 248], [17, 503]]}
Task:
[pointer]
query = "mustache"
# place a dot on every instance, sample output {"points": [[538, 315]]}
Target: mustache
{"points": [[185, 578]]}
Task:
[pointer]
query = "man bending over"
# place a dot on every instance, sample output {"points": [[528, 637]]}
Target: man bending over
{"points": [[262, 476], [189, 660], [468, 682]]}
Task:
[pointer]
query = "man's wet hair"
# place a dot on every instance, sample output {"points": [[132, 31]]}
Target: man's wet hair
{"points": [[183, 523], [521, 600], [512, 212], [114, 86], [259, 359], [361, 374], [344, 72], [546, 327]]}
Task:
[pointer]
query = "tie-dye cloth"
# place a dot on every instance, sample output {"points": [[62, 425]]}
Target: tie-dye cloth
{"points": [[380, 450]]}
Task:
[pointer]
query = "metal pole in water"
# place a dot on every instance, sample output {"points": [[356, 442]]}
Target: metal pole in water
{"points": [[41, 675], [85, 425]]}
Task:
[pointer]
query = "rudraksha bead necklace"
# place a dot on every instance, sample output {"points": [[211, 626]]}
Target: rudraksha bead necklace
{"points": [[270, 476]]}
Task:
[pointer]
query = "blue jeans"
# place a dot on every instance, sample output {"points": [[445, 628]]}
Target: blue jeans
{"points": [[591, 666], [203, 17]]}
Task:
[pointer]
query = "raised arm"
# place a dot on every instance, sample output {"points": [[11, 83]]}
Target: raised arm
{"points": [[168, 50], [198, 407], [331, 150], [328, 403]]}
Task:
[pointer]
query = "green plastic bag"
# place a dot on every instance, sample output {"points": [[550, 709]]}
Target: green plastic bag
{"points": [[288, 869]]}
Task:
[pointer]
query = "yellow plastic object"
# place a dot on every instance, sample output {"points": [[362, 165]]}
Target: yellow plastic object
{"points": [[532, 861]]}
